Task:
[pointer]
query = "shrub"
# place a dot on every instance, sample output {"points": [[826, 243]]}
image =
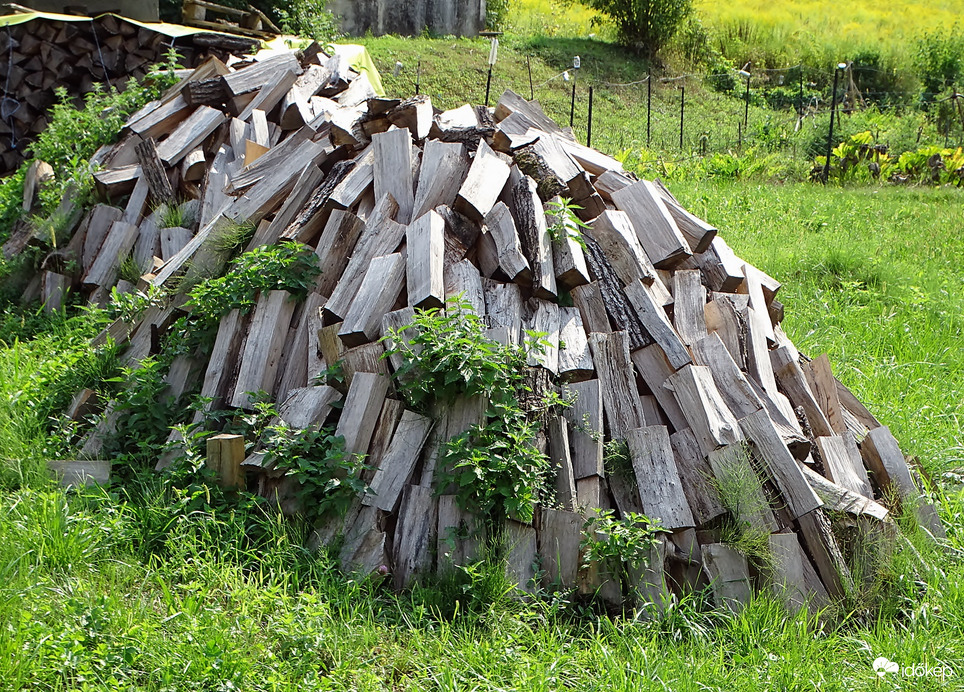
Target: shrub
{"points": [[645, 25], [496, 15], [310, 19], [694, 43], [285, 267], [940, 62]]}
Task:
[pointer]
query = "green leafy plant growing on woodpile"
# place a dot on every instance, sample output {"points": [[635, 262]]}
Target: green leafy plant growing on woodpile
{"points": [[284, 267], [616, 459], [621, 547], [564, 224], [328, 477], [496, 468], [145, 411], [445, 354]]}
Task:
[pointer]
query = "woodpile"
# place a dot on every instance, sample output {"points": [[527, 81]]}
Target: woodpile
{"points": [[661, 337], [41, 55], [209, 15]]}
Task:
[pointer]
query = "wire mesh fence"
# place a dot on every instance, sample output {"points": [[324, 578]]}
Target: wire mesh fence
{"points": [[698, 114]]}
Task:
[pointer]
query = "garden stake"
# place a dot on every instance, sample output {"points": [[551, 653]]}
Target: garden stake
{"points": [[682, 104], [833, 109], [589, 121], [532, 93], [649, 103]]}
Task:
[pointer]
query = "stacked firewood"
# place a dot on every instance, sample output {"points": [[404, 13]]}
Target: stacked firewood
{"points": [[658, 334], [40, 55]]}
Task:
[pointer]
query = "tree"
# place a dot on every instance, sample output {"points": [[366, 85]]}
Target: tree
{"points": [[645, 25]]}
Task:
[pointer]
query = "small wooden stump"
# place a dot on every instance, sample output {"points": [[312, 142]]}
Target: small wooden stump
{"points": [[225, 454]]}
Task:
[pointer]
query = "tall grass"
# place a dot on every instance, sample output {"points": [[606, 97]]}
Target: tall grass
{"points": [[781, 33], [21, 430], [553, 18], [44, 361]]}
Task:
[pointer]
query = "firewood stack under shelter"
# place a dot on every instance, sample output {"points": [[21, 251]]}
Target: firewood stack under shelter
{"points": [[80, 54], [657, 331]]}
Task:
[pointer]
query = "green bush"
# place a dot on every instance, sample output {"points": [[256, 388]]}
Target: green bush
{"points": [[694, 43], [940, 62], [645, 25], [496, 15], [288, 267], [310, 19]]}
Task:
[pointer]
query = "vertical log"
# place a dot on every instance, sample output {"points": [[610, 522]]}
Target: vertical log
{"points": [[224, 455]]}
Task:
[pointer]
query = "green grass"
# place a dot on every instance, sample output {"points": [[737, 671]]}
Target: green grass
{"points": [[83, 607], [823, 30], [453, 72], [21, 431]]}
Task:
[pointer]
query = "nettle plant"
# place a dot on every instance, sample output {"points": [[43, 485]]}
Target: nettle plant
{"points": [[621, 546], [288, 267], [495, 467], [328, 477]]}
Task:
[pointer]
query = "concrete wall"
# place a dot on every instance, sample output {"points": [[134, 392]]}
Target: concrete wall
{"points": [[410, 17]]}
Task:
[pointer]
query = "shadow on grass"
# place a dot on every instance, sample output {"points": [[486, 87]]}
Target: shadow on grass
{"points": [[601, 59]]}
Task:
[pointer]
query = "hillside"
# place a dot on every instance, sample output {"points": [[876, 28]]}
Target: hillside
{"points": [[783, 29], [782, 33]]}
